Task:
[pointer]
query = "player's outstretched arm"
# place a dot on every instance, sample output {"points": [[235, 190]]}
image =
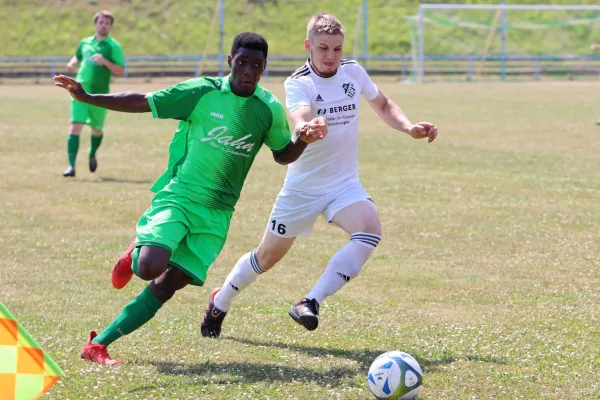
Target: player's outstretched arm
{"points": [[125, 102], [392, 114], [306, 131], [72, 64]]}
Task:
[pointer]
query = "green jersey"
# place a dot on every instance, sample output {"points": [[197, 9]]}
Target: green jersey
{"points": [[93, 77], [218, 137]]}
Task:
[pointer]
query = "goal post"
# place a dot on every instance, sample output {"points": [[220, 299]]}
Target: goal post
{"points": [[473, 33]]}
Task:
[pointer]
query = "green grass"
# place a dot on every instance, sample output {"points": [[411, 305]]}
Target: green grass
{"points": [[488, 272], [177, 27]]}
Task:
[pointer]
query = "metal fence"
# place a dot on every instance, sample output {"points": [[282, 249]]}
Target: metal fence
{"points": [[187, 66], [464, 68]]}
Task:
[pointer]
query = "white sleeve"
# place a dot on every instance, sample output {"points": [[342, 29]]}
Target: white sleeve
{"points": [[296, 94], [368, 88]]}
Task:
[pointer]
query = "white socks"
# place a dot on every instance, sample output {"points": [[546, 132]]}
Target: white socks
{"points": [[244, 273], [344, 265]]}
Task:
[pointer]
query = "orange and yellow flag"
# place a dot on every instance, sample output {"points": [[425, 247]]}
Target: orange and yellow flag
{"points": [[26, 371]]}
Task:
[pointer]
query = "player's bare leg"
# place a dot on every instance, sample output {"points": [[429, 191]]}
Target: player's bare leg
{"points": [[96, 139], [361, 221], [72, 148], [269, 252]]}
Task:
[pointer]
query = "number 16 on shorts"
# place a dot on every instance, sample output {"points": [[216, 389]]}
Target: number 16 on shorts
{"points": [[279, 228]]}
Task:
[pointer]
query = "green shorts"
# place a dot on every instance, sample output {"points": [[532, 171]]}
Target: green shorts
{"points": [[82, 113], [194, 234]]}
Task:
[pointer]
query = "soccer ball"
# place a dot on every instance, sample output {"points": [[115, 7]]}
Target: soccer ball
{"points": [[395, 375]]}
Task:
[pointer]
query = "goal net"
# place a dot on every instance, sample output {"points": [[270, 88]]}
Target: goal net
{"points": [[474, 43]]}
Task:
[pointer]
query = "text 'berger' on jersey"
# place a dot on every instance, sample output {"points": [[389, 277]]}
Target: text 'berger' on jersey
{"points": [[332, 110]]}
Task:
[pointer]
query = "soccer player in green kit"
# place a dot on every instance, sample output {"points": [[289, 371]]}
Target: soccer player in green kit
{"points": [[99, 57], [223, 123]]}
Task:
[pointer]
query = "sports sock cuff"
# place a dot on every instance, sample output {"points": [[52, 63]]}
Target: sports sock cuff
{"points": [[150, 299], [254, 262], [366, 239]]}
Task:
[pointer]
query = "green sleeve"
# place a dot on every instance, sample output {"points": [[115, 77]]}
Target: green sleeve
{"points": [[117, 55], [278, 136], [178, 101], [78, 52]]}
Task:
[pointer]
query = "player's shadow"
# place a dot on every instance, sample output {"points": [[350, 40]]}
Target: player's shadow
{"points": [[364, 358], [106, 179], [247, 372]]}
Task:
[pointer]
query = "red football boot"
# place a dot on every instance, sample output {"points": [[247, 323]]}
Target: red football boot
{"points": [[122, 272], [96, 352]]}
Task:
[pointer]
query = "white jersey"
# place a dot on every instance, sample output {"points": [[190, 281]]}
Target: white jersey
{"points": [[328, 164]]}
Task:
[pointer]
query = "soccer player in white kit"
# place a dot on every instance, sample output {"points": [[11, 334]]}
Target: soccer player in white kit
{"points": [[324, 180]]}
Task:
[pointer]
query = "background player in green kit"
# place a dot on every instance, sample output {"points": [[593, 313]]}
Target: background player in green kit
{"points": [[223, 123], [99, 57]]}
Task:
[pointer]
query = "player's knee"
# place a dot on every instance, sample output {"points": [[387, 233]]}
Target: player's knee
{"points": [[365, 222], [374, 229], [371, 226], [148, 272], [150, 267], [76, 129], [97, 133], [267, 258]]}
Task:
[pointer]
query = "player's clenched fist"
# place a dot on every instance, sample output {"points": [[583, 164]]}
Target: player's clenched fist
{"points": [[318, 127], [313, 130], [424, 130]]}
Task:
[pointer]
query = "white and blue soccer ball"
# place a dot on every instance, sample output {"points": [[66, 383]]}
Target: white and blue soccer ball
{"points": [[395, 375]]}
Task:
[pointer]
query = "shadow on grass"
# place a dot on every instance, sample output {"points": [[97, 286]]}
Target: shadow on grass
{"points": [[105, 179], [241, 372], [365, 357]]}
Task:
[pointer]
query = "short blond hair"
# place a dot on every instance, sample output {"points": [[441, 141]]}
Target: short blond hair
{"points": [[324, 23]]}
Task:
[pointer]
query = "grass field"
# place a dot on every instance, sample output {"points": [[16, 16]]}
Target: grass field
{"points": [[488, 273], [34, 28]]}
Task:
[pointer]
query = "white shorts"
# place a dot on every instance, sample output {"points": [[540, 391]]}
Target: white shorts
{"points": [[294, 213]]}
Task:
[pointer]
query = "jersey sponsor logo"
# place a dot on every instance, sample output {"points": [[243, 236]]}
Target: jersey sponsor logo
{"points": [[337, 109], [217, 137], [319, 99], [349, 89], [216, 115]]}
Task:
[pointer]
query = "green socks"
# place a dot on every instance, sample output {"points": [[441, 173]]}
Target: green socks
{"points": [[72, 148], [135, 314], [96, 140]]}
